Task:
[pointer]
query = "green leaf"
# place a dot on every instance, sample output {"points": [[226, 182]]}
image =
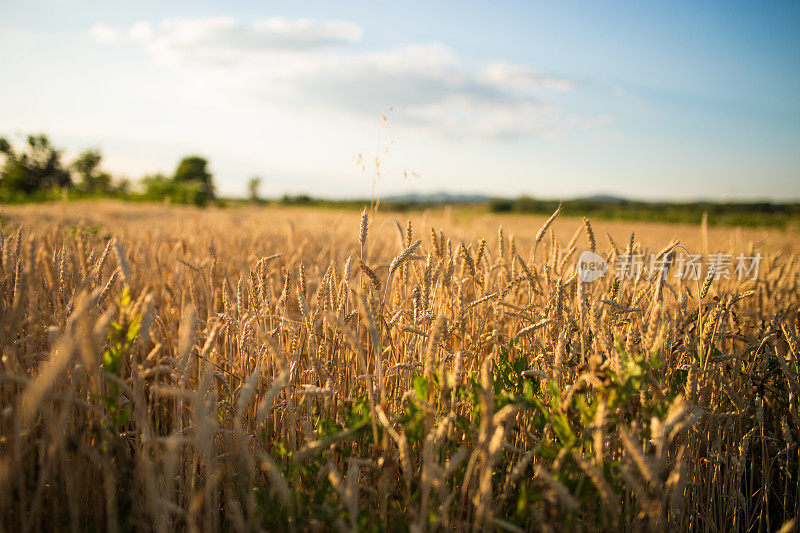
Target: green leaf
{"points": [[421, 388]]}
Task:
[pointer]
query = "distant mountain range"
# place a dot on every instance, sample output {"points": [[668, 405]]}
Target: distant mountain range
{"points": [[604, 198], [443, 197], [438, 198]]}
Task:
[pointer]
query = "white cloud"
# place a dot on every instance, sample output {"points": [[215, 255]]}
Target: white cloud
{"points": [[141, 32], [220, 40], [103, 34], [429, 86], [306, 65], [521, 77]]}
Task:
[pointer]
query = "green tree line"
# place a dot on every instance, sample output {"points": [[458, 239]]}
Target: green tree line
{"points": [[37, 171]]}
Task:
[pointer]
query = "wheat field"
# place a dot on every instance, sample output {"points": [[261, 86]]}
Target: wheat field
{"points": [[169, 368]]}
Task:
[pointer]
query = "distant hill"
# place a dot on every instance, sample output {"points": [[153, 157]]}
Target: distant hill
{"points": [[608, 198], [443, 197], [438, 198]]}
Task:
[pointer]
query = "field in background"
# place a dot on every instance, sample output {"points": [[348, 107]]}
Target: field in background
{"points": [[747, 214], [460, 222], [295, 368]]}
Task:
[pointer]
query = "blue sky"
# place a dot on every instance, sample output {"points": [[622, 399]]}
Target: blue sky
{"points": [[652, 100]]}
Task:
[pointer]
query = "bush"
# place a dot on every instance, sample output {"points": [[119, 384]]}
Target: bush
{"points": [[500, 205], [158, 187]]}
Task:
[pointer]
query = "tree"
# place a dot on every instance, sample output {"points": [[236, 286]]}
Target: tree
{"points": [[39, 168], [192, 172], [158, 187], [5, 147], [93, 179], [252, 188], [123, 186]]}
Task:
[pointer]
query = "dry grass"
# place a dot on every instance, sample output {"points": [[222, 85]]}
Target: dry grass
{"points": [[291, 369]]}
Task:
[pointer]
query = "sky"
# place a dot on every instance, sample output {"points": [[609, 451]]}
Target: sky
{"points": [[647, 100]]}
